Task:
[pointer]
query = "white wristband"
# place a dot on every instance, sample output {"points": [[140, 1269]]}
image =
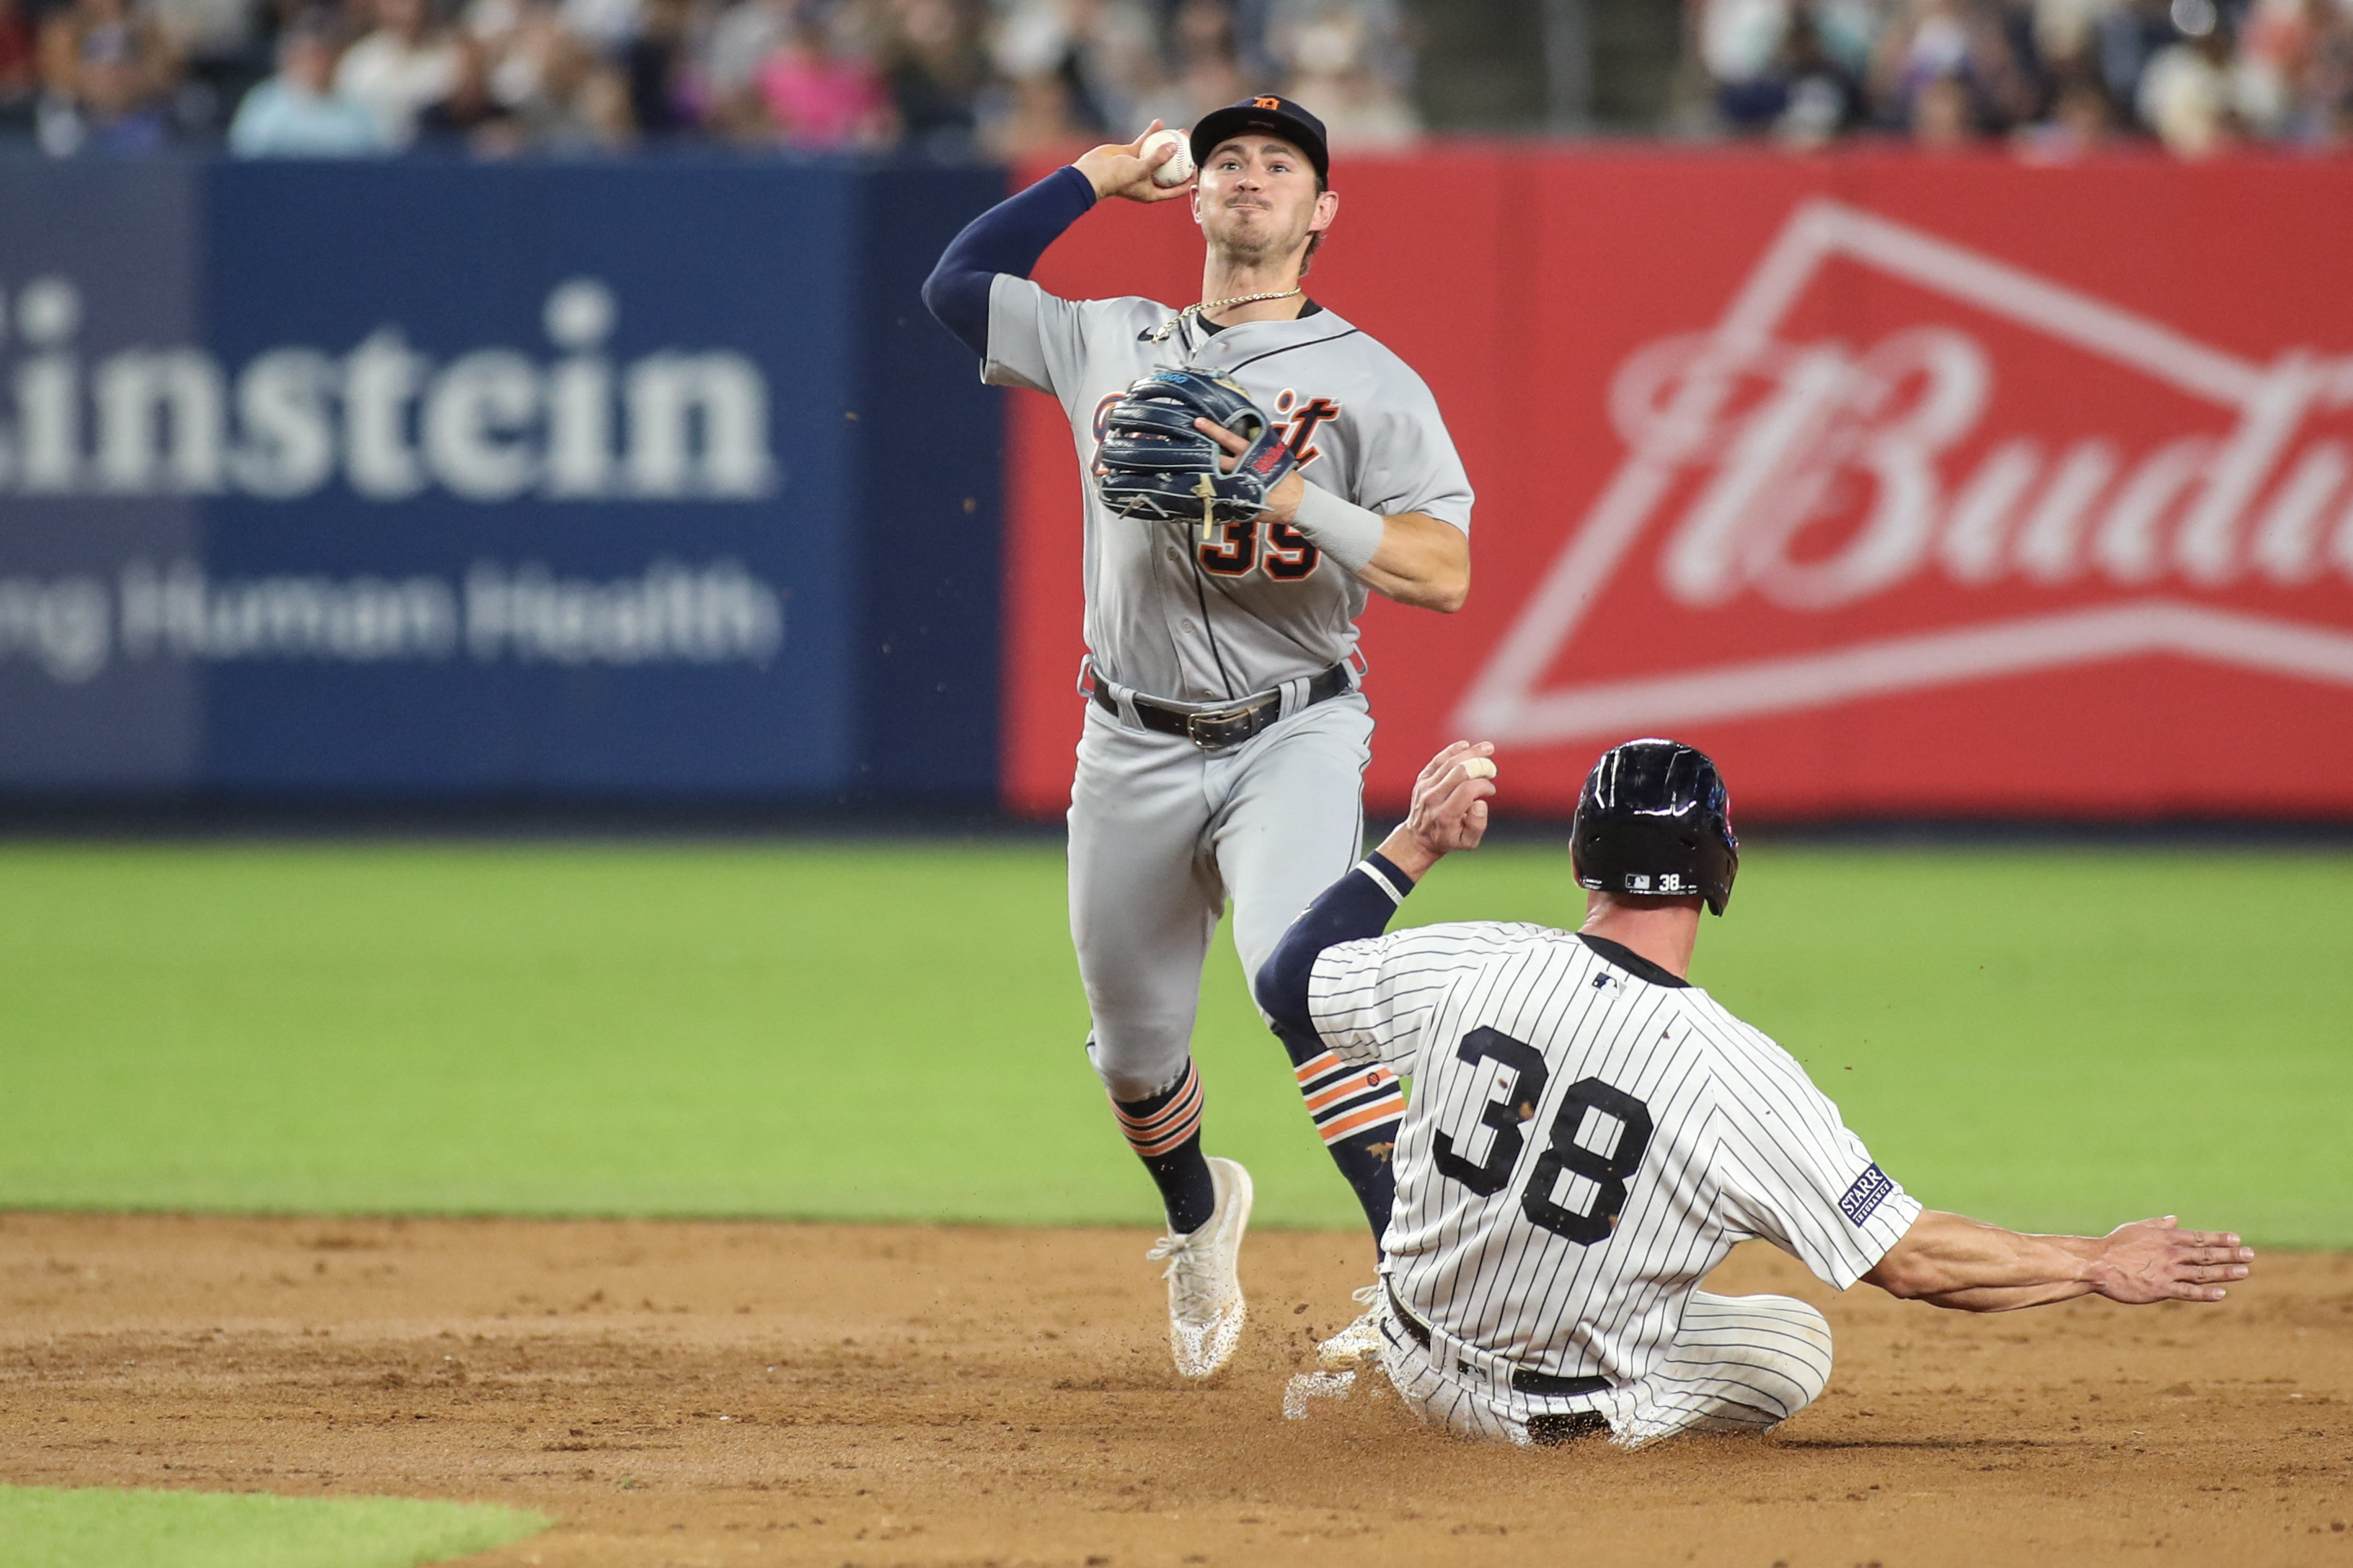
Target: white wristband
{"points": [[1340, 529]]}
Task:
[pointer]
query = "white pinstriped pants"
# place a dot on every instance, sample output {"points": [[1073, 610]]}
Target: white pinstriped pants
{"points": [[1740, 1364]]}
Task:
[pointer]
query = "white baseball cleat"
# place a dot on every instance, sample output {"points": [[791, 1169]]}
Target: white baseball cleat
{"points": [[1206, 1308], [1359, 1344]]}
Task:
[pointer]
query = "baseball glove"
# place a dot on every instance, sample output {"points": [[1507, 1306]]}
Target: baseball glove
{"points": [[1152, 463]]}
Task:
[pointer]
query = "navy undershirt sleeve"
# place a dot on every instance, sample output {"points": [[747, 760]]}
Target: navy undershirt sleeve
{"points": [[1009, 237], [1350, 910]]}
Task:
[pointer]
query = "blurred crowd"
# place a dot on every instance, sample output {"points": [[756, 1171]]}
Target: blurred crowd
{"points": [[953, 78], [2056, 77], [998, 78]]}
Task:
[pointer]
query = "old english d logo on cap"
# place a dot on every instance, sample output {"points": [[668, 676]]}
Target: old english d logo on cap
{"points": [[1265, 111], [1881, 516]]}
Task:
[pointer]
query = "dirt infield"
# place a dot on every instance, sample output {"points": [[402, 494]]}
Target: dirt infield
{"points": [[766, 1394]]}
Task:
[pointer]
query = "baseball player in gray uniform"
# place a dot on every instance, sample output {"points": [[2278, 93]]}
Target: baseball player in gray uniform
{"points": [[1590, 1134], [1225, 739]]}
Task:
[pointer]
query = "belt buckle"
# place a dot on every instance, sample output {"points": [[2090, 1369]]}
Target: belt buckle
{"points": [[1216, 728]]}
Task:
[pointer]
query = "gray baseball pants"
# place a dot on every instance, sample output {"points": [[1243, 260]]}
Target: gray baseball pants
{"points": [[1162, 833]]}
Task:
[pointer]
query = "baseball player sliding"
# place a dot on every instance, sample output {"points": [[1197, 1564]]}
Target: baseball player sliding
{"points": [[1590, 1134], [1255, 465]]}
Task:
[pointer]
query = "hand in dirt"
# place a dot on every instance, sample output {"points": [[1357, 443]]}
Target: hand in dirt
{"points": [[2155, 1260]]}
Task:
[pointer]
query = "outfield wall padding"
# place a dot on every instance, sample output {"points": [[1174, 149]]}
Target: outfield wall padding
{"points": [[440, 481]]}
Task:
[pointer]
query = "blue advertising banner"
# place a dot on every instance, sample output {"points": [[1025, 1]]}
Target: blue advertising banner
{"points": [[422, 479]]}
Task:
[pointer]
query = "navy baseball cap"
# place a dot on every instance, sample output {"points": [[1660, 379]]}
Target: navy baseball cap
{"points": [[1267, 111]]}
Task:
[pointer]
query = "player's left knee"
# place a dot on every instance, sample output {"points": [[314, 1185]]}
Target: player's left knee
{"points": [[1797, 1350], [1784, 1345]]}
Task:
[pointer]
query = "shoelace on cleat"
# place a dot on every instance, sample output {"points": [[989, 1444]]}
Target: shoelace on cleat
{"points": [[1192, 1269]]}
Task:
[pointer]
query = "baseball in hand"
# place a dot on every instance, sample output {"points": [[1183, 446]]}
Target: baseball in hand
{"points": [[1180, 167], [1478, 768]]}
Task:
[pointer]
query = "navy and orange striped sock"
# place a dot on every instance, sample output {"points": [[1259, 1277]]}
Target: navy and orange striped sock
{"points": [[1356, 1109], [1164, 1131]]}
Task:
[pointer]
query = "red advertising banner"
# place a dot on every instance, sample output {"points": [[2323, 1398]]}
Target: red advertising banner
{"points": [[1903, 486]]}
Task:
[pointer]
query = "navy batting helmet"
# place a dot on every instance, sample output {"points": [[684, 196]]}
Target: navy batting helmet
{"points": [[1654, 818]]}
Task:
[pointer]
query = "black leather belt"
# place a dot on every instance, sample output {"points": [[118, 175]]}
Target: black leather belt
{"points": [[1542, 1384], [1219, 728]]}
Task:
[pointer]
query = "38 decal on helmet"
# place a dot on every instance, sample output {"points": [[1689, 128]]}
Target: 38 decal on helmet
{"points": [[1655, 819]]}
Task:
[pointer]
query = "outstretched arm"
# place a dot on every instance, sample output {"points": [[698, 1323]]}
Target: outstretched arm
{"points": [[1951, 1260], [1011, 236]]}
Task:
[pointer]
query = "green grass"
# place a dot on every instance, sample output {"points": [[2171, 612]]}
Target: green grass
{"points": [[2062, 1039], [45, 1527]]}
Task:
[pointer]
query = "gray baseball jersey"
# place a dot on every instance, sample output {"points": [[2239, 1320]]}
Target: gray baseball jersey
{"points": [[1170, 614], [1584, 1143]]}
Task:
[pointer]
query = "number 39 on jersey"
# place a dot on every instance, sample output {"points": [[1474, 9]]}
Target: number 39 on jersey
{"points": [[1237, 549]]}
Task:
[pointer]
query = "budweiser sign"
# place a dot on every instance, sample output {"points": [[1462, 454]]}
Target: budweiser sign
{"points": [[1897, 464]]}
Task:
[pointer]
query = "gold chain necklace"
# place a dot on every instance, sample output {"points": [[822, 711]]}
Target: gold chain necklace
{"points": [[1207, 306]]}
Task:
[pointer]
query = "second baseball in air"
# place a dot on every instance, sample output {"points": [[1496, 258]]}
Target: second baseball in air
{"points": [[1180, 167]]}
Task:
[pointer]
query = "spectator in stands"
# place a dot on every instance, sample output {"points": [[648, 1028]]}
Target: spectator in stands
{"points": [[1806, 86], [297, 113], [469, 117], [1339, 60], [1944, 117], [2065, 34], [1738, 41], [1822, 91], [406, 66], [20, 71], [607, 26], [2126, 34], [1034, 114], [2322, 115], [107, 73], [817, 95], [1104, 54], [2292, 66], [1982, 49], [2082, 119], [655, 76], [1208, 71], [223, 50], [2186, 93], [723, 75], [529, 80], [935, 68]]}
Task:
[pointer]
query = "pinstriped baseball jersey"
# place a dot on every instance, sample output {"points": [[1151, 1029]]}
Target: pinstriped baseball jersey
{"points": [[1191, 619], [1584, 1143]]}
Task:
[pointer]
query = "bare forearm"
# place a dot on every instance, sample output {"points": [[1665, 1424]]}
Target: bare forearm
{"points": [[1951, 1260], [1956, 1261], [2008, 1298], [1421, 562]]}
